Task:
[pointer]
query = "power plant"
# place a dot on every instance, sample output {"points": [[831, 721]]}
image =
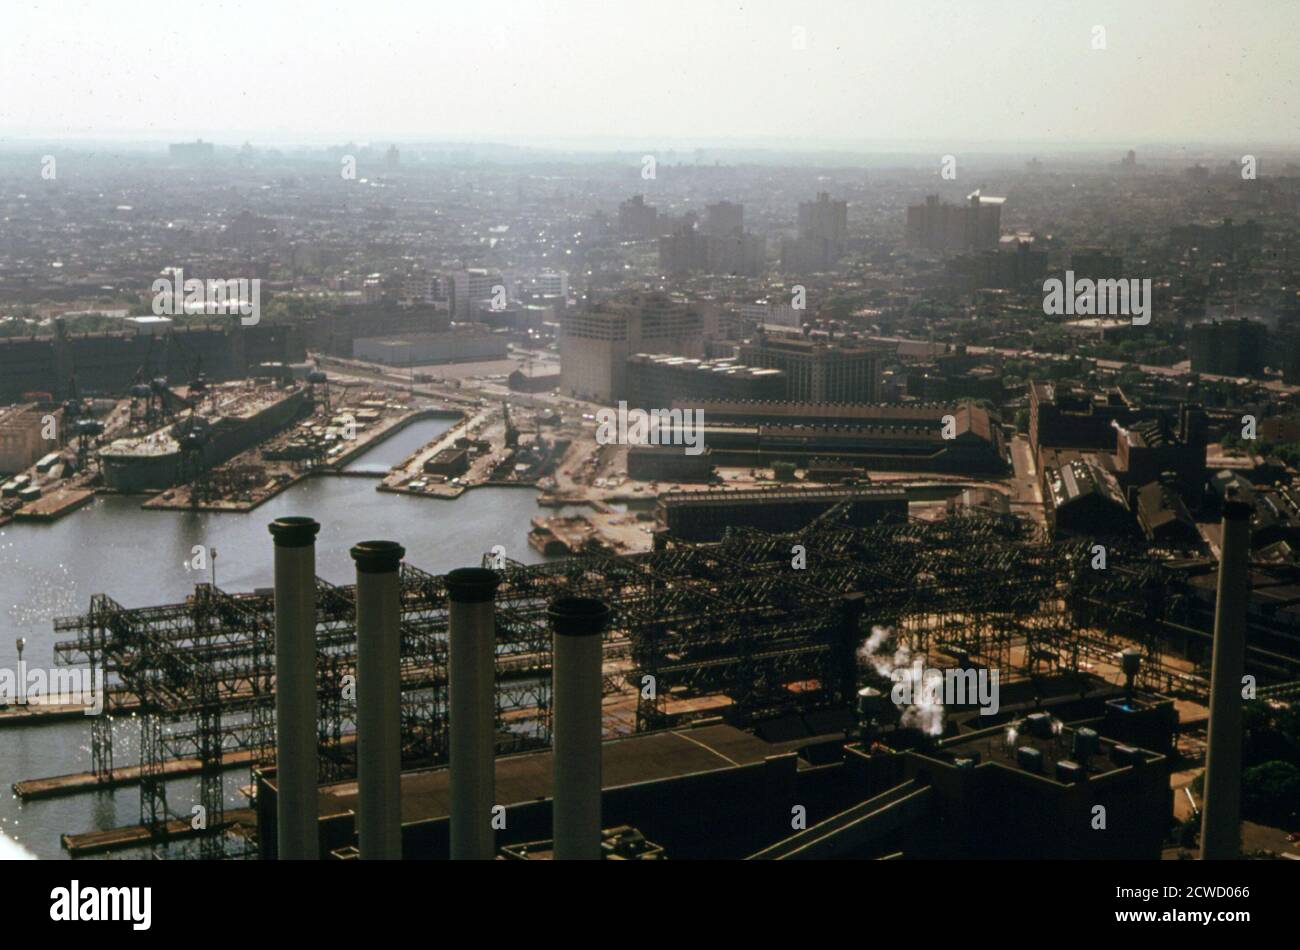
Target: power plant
{"points": [[467, 715]]}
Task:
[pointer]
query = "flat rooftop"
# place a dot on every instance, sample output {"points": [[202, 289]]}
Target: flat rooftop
{"points": [[992, 745], [527, 777]]}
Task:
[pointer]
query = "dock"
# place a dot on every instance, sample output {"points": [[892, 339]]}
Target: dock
{"points": [[40, 714], [55, 504], [59, 785], [137, 836], [37, 712]]}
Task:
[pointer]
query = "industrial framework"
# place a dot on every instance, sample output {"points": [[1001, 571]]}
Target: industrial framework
{"points": [[766, 623]]}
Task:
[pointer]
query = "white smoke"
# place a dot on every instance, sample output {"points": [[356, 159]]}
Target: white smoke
{"points": [[922, 703]]}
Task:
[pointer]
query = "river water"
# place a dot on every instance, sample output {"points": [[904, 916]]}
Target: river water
{"points": [[141, 558]]}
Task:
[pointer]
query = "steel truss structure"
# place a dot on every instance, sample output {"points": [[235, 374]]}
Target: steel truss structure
{"points": [[771, 623]]}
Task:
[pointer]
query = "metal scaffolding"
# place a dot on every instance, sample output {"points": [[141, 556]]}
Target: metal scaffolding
{"points": [[766, 623]]}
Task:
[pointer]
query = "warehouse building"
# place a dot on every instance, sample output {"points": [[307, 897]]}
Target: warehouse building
{"points": [[655, 381], [706, 515], [422, 349]]}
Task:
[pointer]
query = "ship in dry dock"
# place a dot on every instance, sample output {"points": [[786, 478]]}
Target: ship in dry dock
{"points": [[219, 422]]}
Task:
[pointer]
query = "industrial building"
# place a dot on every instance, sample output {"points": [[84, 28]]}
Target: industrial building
{"points": [[421, 349], [1083, 498], [668, 463], [595, 343], [821, 370], [1149, 449], [449, 463], [706, 515], [757, 704], [541, 379], [655, 381], [888, 437], [106, 363], [23, 430]]}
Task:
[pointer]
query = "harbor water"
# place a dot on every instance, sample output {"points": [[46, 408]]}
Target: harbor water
{"points": [[142, 557]]}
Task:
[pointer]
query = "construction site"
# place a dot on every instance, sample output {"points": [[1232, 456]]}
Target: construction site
{"points": [[762, 632]]}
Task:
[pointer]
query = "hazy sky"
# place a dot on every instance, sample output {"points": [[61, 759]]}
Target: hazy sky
{"points": [[653, 71]]}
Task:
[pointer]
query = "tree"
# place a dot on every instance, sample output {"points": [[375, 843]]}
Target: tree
{"points": [[1271, 792]]}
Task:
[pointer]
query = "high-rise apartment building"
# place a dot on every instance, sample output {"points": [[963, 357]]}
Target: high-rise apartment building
{"points": [[688, 250], [636, 219], [1230, 348], [974, 226], [724, 219], [823, 233]]}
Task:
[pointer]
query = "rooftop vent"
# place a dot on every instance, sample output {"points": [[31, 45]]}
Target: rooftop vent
{"points": [[1085, 744], [1069, 772], [1126, 755], [1039, 724], [1029, 758]]}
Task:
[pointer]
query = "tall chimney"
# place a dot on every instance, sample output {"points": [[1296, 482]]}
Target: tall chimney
{"points": [[297, 836], [577, 623], [472, 662], [1221, 812], [379, 699]]}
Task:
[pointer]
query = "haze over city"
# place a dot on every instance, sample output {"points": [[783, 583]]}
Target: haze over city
{"points": [[801, 75]]}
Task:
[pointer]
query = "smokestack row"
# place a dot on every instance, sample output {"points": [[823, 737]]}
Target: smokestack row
{"points": [[576, 624]]}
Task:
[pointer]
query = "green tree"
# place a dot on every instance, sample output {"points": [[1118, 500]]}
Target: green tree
{"points": [[1271, 792]]}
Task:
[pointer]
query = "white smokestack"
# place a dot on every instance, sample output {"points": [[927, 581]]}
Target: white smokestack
{"points": [[379, 699], [577, 623], [297, 835], [472, 662]]}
